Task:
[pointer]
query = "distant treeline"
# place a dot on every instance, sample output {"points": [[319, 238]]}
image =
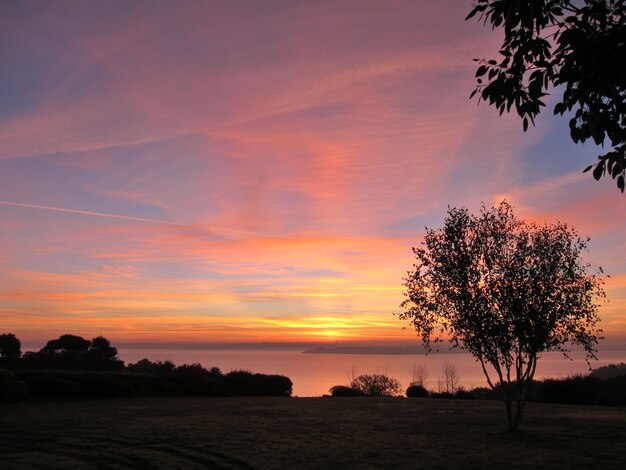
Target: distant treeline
{"points": [[604, 386], [72, 367], [574, 390]]}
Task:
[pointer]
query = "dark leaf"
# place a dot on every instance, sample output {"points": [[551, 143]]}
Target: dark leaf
{"points": [[598, 171], [471, 14]]}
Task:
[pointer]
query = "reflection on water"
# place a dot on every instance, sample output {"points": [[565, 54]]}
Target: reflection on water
{"points": [[314, 374]]}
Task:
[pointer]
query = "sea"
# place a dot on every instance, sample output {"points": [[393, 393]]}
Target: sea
{"points": [[314, 374]]}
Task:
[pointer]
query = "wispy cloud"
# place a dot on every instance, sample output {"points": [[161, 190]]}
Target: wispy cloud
{"points": [[88, 213]]}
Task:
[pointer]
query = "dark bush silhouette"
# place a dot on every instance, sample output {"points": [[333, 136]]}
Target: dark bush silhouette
{"points": [[572, 390], [10, 346], [146, 366], [193, 378], [242, 382], [583, 390], [345, 391], [416, 391], [71, 367], [376, 385]]}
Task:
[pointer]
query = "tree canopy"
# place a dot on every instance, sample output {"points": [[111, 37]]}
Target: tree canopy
{"points": [[10, 346], [101, 346], [573, 47], [66, 344], [506, 291]]}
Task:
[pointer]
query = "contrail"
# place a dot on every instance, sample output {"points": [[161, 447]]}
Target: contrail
{"points": [[137, 219], [92, 213]]}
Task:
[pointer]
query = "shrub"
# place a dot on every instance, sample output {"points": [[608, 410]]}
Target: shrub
{"points": [[580, 390], [145, 366], [192, 378], [416, 391], [376, 385], [245, 383], [345, 391]]}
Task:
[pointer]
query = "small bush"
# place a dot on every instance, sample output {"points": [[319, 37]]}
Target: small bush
{"points": [[416, 391], [345, 391], [376, 385]]}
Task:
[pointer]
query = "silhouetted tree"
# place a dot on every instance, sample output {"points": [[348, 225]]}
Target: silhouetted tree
{"points": [[67, 344], [506, 291], [451, 378], [577, 46], [376, 385], [101, 347], [10, 346]]}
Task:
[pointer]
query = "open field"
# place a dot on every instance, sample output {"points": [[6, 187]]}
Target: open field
{"points": [[306, 433]]}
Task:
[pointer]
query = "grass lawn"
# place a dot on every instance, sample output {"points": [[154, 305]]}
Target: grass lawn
{"points": [[307, 433]]}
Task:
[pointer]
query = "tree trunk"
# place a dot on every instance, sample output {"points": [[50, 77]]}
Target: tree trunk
{"points": [[514, 409]]}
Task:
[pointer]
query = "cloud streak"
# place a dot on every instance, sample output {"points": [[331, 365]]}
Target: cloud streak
{"points": [[90, 213]]}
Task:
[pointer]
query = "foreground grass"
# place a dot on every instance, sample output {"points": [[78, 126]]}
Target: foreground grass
{"points": [[306, 433]]}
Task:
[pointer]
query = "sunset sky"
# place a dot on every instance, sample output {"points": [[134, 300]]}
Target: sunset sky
{"points": [[241, 171]]}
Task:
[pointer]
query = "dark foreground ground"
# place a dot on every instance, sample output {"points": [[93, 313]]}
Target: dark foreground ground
{"points": [[289, 433]]}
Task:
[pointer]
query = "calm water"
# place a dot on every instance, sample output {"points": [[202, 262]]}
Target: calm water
{"points": [[314, 374]]}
